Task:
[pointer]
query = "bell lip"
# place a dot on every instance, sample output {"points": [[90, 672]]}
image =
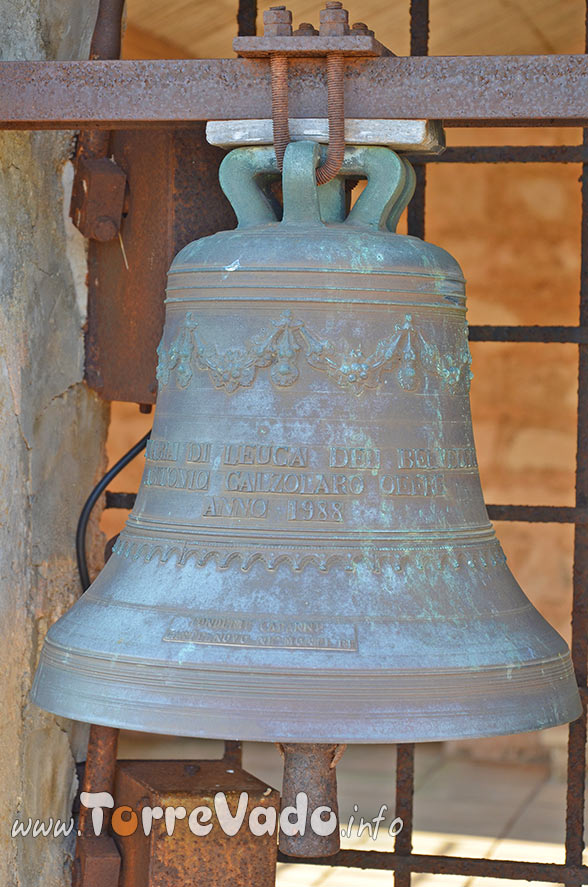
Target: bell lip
{"points": [[542, 702], [265, 735]]}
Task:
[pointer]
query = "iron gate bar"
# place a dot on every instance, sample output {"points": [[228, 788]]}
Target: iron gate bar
{"points": [[576, 794], [247, 18], [415, 87], [505, 154], [480, 90], [403, 862], [420, 863], [541, 514], [404, 805], [544, 334], [419, 48]]}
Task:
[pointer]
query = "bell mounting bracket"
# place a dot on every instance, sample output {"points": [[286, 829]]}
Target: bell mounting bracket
{"points": [[334, 40], [334, 35]]}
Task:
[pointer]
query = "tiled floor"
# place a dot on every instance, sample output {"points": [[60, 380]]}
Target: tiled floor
{"points": [[462, 808]]}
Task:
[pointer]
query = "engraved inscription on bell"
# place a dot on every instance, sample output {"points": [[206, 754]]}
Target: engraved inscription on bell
{"points": [[270, 633]]}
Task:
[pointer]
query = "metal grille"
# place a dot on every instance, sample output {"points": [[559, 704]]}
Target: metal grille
{"points": [[402, 861]]}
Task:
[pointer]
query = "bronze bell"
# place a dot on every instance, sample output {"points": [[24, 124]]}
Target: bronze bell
{"points": [[309, 558]]}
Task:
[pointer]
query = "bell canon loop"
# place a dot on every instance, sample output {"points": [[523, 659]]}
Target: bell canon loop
{"points": [[309, 558]]}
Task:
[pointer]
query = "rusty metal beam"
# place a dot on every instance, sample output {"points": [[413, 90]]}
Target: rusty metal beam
{"points": [[485, 90]]}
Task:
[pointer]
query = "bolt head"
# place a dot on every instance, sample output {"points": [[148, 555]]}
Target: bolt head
{"points": [[104, 229], [305, 29], [361, 28], [277, 14], [334, 20], [277, 22]]}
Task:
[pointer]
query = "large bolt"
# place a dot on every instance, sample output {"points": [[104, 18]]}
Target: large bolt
{"points": [[105, 228], [334, 20], [305, 29], [361, 28], [277, 22]]}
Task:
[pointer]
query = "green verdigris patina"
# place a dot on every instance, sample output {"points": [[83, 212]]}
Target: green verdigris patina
{"points": [[310, 558]]}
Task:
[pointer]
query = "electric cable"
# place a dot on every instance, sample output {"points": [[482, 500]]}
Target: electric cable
{"points": [[91, 502]]}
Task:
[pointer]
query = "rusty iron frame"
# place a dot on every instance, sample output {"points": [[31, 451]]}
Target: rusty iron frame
{"points": [[572, 873], [403, 862]]}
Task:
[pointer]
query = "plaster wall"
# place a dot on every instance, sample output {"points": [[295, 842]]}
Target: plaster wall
{"points": [[52, 431]]}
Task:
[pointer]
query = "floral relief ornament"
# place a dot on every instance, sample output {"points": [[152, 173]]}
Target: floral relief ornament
{"points": [[405, 354]]}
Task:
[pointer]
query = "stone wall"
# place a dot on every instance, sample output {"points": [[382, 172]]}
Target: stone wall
{"points": [[52, 432]]}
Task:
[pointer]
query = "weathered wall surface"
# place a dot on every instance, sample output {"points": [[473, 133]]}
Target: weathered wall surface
{"points": [[51, 443]]}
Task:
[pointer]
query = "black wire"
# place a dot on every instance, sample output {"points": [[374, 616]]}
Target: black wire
{"points": [[91, 502]]}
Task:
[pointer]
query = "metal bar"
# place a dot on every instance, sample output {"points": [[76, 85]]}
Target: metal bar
{"points": [[233, 753], [419, 27], [416, 207], [541, 514], [98, 191], [450, 865], [99, 770], [551, 89], [247, 18], [505, 154], [310, 768], [106, 38], [404, 807], [576, 791], [490, 333], [120, 500]]}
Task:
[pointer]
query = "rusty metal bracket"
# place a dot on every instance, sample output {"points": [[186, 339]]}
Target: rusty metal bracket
{"points": [[173, 198], [334, 35], [97, 861], [334, 41], [196, 853], [98, 193]]}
